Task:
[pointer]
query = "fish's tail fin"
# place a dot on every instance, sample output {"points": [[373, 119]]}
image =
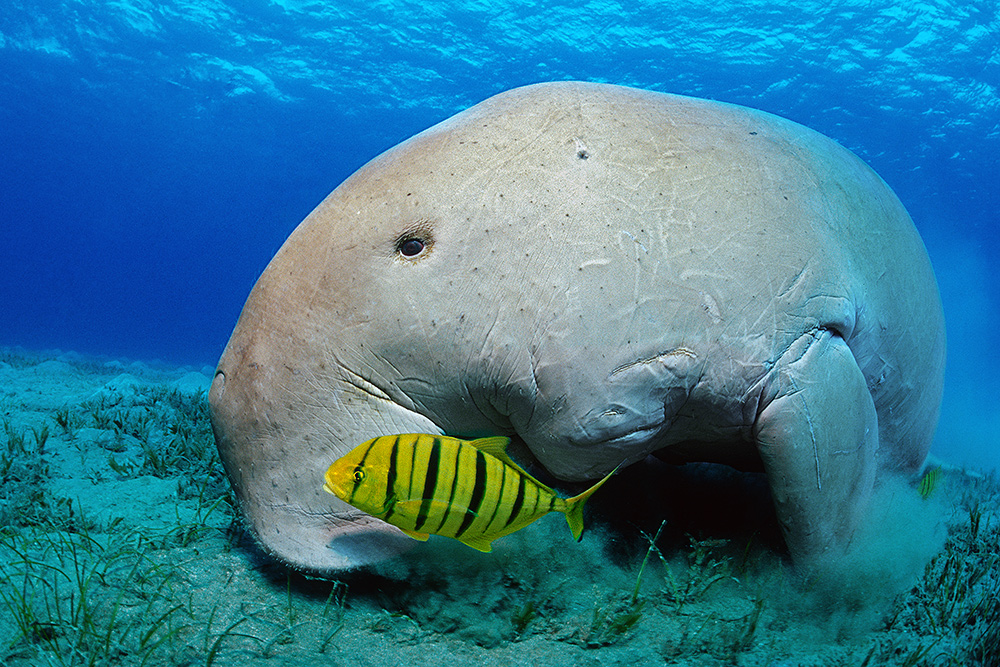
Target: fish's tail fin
{"points": [[574, 506]]}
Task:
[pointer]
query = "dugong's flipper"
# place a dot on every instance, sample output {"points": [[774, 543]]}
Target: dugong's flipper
{"points": [[817, 434]]}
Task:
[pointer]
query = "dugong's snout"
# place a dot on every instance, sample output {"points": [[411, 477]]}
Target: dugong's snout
{"points": [[239, 405], [275, 448]]}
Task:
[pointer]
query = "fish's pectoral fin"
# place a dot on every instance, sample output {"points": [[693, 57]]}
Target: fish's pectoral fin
{"points": [[415, 535], [388, 506], [479, 543]]}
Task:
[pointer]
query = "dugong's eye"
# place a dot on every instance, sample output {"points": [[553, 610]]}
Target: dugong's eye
{"points": [[410, 247], [359, 475], [415, 241]]}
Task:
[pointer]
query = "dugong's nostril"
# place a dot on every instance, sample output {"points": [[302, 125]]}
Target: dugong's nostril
{"points": [[218, 384]]}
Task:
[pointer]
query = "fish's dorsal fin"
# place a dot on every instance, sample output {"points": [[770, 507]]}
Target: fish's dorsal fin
{"points": [[496, 446]]}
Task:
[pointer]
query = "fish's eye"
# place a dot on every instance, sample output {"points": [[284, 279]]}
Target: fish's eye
{"points": [[359, 475]]}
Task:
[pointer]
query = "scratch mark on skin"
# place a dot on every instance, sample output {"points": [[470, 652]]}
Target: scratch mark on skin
{"points": [[346, 517], [711, 306], [638, 266], [364, 385], [725, 245], [812, 433], [687, 274], [843, 452], [595, 262], [637, 241], [661, 357]]}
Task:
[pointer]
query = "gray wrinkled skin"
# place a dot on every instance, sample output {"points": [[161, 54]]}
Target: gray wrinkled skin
{"points": [[607, 273]]}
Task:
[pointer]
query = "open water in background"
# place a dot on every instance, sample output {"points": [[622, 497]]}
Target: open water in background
{"points": [[154, 155]]}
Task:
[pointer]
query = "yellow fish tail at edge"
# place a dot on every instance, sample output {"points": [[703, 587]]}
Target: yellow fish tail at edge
{"points": [[573, 507]]}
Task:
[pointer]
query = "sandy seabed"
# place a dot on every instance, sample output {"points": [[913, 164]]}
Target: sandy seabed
{"points": [[120, 545]]}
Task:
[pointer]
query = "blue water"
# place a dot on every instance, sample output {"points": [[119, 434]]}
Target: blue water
{"points": [[154, 155]]}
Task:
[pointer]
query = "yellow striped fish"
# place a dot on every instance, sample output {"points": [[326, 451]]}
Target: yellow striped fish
{"points": [[929, 482], [469, 490]]}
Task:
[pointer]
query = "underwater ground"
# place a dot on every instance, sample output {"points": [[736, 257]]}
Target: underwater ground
{"points": [[119, 544]]}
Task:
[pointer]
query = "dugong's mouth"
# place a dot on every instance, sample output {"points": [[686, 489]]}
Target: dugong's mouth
{"points": [[290, 517]]}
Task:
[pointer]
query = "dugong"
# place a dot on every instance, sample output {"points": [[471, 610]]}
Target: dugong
{"points": [[600, 273]]}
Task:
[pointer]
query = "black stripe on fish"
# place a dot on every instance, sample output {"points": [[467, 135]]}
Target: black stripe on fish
{"points": [[453, 462], [390, 480], [430, 482], [497, 501], [413, 466], [478, 489], [518, 501], [360, 467]]}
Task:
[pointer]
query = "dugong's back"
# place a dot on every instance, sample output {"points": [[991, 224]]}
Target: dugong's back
{"points": [[686, 222]]}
